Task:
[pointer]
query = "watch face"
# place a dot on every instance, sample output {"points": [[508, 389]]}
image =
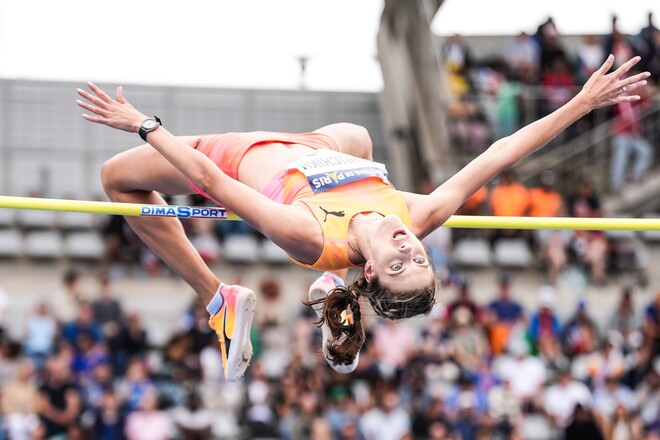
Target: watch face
{"points": [[149, 124]]}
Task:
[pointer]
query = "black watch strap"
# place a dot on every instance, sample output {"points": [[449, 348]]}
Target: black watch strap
{"points": [[144, 131]]}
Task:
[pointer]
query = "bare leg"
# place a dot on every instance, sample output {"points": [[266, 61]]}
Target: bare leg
{"points": [[137, 176]]}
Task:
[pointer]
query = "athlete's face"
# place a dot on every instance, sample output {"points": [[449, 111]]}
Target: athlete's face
{"points": [[398, 258]]}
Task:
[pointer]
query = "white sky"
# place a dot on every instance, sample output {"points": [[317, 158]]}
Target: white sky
{"points": [[252, 43]]}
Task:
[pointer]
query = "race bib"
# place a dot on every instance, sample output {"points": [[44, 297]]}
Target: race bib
{"points": [[327, 169]]}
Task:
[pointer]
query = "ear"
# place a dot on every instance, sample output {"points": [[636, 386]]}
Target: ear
{"points": [[368, 270]]}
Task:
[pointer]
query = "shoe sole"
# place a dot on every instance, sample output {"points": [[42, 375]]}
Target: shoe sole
{"points": [[315, 294], [240, 347]]}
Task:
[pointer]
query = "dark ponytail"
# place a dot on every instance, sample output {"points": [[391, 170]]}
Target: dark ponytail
{"points": [[349, 337]]}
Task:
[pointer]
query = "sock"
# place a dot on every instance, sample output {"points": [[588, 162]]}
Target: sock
{"points": [[338, 280], [216, 302]]}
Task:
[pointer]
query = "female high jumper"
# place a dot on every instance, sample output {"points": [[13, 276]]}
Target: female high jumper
{"points": [[321, 199]]}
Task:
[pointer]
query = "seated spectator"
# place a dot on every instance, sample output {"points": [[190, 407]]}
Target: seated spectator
{"points": [[193, 421], [64, 301], [148, 422], [558, 84], [135, 384], [271, 311], [59, 402], [545, 201], [388, 421], [590, 56], [464, 299], [652, 324], [610, 395], [594, 367], [504, 408], [524, 372], [544, 326], [580, 334], [109, 422], [19, 403], [41, 329], [623, 425], [624, 323], [504, 312], [83, 323], [590, 247], [468, 341], [582, 425], [561, 398], [107, 309], [394, 343]]}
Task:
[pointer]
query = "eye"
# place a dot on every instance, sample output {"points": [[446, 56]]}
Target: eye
{"points": [[396, 267], [420, 260]]}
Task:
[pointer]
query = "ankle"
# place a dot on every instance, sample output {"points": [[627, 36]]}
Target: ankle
{"points": [[216, 302]]}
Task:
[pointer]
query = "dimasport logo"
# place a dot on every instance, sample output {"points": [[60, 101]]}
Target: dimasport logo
{"points": [[183, 211]]}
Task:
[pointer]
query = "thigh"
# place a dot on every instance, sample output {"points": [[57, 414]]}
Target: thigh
{"points": [[145, 169]]}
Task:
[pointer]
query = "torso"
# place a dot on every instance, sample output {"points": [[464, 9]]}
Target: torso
{"points": [[262, 162]]}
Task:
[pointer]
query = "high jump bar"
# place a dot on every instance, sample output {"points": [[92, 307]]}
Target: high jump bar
{"points": [[220, 213]]}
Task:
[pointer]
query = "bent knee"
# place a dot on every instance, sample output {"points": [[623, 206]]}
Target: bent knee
{"points": [[112, 176]]}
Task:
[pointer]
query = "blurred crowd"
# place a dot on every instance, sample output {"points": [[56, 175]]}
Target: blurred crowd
{"points": [[471, 370], [537, 73]]}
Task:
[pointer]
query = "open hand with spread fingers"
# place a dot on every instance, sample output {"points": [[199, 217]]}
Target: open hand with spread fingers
{"points": [[604, 88], [116, 113]]}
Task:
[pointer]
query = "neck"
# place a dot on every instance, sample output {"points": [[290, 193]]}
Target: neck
{"points": [[358, 232]]}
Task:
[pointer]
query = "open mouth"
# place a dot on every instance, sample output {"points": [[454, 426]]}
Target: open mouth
{"points": [[399, 234]]}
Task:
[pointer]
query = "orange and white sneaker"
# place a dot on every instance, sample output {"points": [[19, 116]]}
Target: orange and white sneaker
{"points": [[320, 289], [232, 325]]}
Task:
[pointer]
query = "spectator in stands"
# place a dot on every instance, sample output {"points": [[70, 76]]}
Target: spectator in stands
{"points": [[135, 384], [387, 421], [464, 299], [40, 333], [558, 84], [59, 402], [109, 421], [508, 198], [546, 201], [272, 312], [560, 399], [148, 422], [193, 421], [527, 374], [590, 247], [522, 56], [545, 326], [458, 59], [504, 313], [582, 425], [393, 343], [610, 395], [83, 323], [624, 323], [628, 143], [468, 341], [580, 334], [505, 408], [19, 403], [64, 301], [652, 324], [590, 56], [107, 309]]}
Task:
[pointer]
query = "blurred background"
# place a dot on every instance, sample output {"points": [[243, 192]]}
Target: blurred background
{"points": [[537, 334]]}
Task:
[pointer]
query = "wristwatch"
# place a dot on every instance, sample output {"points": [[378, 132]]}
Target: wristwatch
{"points": [[147, 126]]}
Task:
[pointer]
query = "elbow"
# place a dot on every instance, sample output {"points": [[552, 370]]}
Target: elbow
{"points": [[501, 153], [202, 181]]}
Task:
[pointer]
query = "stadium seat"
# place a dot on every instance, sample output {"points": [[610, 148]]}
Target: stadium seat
{"points": [[70, 221], [471, 252], [11, 243], [43, 245], [512, 252], [7, 217], [272, 253], [241, 248], [84, 246], [31, 219]]}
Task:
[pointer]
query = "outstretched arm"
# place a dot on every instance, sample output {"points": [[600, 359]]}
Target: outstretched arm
{"points": [[268, 217], [429, 212]]}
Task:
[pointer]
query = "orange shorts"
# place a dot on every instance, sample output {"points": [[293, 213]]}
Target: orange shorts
{"points": [[227, 150]]}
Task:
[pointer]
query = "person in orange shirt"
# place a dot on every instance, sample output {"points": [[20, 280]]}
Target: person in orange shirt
{"points": [[346, 214], [508, 198], [545, 201]]}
